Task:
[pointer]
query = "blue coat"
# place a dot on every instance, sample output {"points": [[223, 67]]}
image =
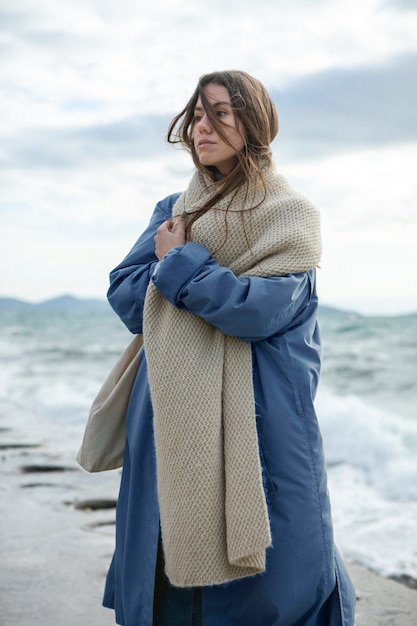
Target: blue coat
{"points": [[305, 583]]}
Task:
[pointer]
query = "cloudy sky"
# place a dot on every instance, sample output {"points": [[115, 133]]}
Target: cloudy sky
{"points": [[87, 89]]}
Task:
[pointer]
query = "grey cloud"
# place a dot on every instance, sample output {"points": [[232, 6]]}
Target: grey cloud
{"points": [[348, 109], [12, 21], [400, 5], [136, 137]]}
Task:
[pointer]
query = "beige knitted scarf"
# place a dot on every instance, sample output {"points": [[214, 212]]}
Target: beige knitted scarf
{"points": [[214, 518]]}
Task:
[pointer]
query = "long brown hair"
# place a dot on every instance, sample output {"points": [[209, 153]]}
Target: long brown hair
{"points": [[252, 105]]}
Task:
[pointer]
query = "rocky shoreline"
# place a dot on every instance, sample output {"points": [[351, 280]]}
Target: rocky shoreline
{"points": [[57, 536]]}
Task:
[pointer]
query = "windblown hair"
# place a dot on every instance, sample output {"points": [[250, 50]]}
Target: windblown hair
{"points": [[253, 107]]}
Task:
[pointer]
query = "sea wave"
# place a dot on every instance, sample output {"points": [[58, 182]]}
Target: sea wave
{"points": [[378, 444]]}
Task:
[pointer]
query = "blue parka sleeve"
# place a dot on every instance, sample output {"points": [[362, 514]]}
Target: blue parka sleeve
{"points": [[130, 279], [251, 308]]}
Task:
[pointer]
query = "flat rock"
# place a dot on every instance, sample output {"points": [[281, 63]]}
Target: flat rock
{"points": [[381, 601]]}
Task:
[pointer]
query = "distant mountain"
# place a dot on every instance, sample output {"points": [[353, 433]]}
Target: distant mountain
{"points": [[13, 303], [61, 303], [333, 311], [72, 304]]}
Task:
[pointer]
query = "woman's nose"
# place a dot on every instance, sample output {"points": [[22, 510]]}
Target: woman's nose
{"points": [[204, 125]]}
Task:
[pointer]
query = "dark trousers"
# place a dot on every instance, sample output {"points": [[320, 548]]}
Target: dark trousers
{"points": [[175, 606]]}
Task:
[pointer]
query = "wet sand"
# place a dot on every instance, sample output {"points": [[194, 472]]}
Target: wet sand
{"points": [[57, 536]]}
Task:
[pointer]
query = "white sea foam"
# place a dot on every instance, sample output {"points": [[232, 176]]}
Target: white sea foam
{"points": [[378, 444], [374, 531], [372, 483]]}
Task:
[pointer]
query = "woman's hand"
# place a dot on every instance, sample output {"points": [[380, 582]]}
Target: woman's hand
{"points": [[169, 235]]}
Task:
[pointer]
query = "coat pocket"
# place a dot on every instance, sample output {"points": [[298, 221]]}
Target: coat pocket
{"points": [[269, 487]]}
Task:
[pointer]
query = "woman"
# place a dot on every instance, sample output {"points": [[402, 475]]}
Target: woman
{"points": [[224, 481]]}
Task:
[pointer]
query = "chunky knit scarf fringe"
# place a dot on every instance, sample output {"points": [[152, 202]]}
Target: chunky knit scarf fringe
{"points": [[214, 518]]}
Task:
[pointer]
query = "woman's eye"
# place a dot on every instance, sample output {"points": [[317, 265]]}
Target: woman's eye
{"points": [[221, 113]]}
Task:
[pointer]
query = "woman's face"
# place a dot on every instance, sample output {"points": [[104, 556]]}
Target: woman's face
{"points": [[209, 147]]}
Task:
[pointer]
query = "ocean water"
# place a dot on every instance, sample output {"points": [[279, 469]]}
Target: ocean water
{"points": [[53, 362]]}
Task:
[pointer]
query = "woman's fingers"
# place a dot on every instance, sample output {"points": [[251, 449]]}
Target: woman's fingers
{"points": [[169, 234]]}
